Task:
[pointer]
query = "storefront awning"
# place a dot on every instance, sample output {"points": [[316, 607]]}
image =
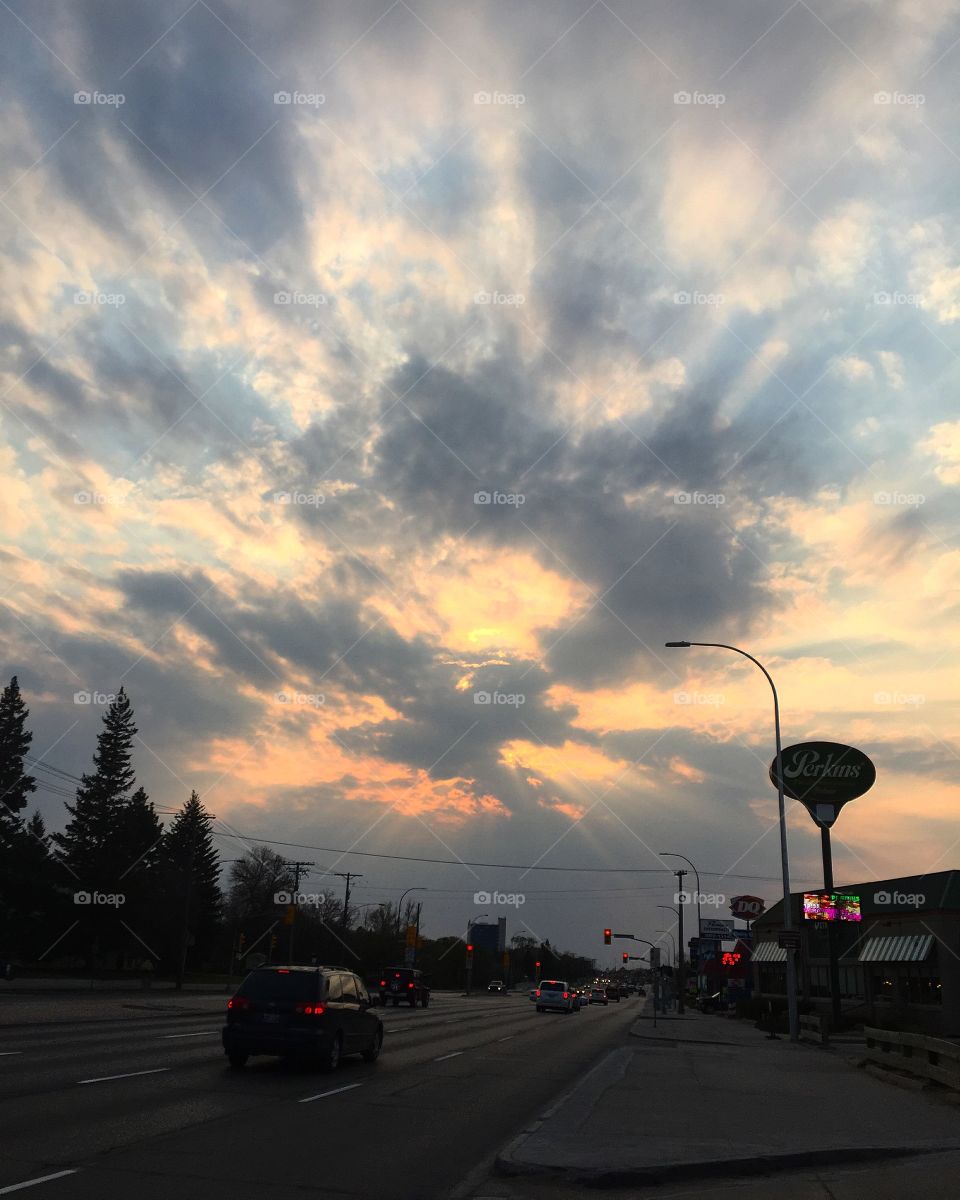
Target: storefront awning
{"points": [[907, 947], [768, 952]]}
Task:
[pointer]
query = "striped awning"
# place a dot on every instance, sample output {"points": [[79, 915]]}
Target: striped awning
{"points": [[905, 947], [768, 952]]}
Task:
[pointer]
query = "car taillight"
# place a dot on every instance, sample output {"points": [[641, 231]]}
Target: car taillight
{"points": [[310, 1010], [383, 983], [538, 993], [566, 995], [409, 985], [238, 1002]]}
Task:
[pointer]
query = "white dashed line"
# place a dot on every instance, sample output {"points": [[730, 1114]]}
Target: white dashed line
{"points": [[165, 1037], [15, 1187], [127, 1075], [507, 1038], [8, 1053], [443, 1057], [333, 1092]]}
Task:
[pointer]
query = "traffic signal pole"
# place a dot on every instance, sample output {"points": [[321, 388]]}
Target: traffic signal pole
{"points": [[681, 983]]}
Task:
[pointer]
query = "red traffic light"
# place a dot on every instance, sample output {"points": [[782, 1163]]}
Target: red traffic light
{"points": [[469, 947], [538, 962], [626, 957], [607, 936]]}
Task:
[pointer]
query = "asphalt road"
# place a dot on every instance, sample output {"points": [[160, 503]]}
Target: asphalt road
{"points": [[149, 1108]]}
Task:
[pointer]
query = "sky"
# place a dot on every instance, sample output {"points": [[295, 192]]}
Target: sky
{"points": [[384, 383]]}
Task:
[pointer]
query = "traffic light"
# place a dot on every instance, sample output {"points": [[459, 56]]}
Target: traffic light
{"points": [[607, 937], [626, 957]]}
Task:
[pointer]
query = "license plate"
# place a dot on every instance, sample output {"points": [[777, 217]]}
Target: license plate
{"points": [[271, 1018]]}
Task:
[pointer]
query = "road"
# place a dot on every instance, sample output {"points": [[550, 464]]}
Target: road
{"points": [[148, 1107]]}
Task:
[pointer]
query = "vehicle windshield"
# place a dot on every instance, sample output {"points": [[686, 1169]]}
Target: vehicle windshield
{"points": [[553, 985], [273, 984]]}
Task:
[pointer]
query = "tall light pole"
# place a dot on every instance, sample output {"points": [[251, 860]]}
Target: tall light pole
{"points": [[793, 1014], [674, 854], [400, 902]]}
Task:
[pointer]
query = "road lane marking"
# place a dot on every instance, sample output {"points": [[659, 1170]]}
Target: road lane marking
{"points": [[7, 1053], [165, 1037], [15, 1187], [333, 1092], [126, 1075], [507, 1038], [443, 1057]]}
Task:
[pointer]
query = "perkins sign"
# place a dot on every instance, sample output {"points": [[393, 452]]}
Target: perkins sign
{"points": [[824, 776]]}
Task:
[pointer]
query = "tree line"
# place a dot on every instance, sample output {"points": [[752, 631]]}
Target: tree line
{"points": [[116, 891]]}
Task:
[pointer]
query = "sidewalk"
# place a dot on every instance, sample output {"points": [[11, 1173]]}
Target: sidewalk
{"points": [[701, 1096]]}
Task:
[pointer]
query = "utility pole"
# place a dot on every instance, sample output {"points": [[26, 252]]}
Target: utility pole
{"points": [[416, 940], [347, 875], [297, 868], [682, 987]]}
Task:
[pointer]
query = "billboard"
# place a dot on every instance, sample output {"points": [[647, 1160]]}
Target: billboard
{"points": [[831, 906]]}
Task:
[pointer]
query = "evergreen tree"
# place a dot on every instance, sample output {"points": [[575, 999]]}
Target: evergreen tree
{"points": [[191, 871], [112, 839], [15, 784]]}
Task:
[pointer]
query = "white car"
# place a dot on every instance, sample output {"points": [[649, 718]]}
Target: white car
{"points": [[555, 994]]}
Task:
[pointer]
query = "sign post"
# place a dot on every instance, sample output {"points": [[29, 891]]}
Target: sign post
{"points": [[824, 776]]}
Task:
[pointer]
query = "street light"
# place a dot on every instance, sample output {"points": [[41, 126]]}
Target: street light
{"points": [[794, 1016], [674, 854], [400, 902], [673, 941]]}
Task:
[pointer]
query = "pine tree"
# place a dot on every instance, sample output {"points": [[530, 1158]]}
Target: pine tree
{"points": [[191, 869], [15, 784]]}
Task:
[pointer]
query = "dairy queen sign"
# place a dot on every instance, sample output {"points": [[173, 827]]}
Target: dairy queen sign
{"points": [[747, 908]]}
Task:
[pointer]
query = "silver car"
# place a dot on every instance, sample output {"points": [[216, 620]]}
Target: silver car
{"points": [[555, 994]]}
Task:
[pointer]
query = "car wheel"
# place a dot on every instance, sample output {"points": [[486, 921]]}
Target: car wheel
{"points": [[237, 1059], [331, 1059], [372, 1053]]}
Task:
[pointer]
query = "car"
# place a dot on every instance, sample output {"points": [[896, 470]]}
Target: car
{"points": [[317, 1013], [583, 998], [598, 996], [613, 993], [555, 994], [642, 992], [403, 985], [496, 985], [532, 995]]}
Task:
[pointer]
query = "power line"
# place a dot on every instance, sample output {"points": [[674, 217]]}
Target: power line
{"points": [[463, 862]]}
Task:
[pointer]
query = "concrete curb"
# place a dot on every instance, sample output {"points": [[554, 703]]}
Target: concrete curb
{"points": [[671, 1172]]}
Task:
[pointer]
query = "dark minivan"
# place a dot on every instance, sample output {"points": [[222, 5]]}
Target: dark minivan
{"points": [[318, 1013]]}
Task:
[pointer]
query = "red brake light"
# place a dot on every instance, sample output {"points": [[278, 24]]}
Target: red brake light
{"points": [[282, 971], [566, 995], [238, 1002], [409, 985], [310, 1010], [383, 983], [538, 991]]}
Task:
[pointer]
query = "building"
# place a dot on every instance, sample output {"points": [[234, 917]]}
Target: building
{"points": [[899, 964]]}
